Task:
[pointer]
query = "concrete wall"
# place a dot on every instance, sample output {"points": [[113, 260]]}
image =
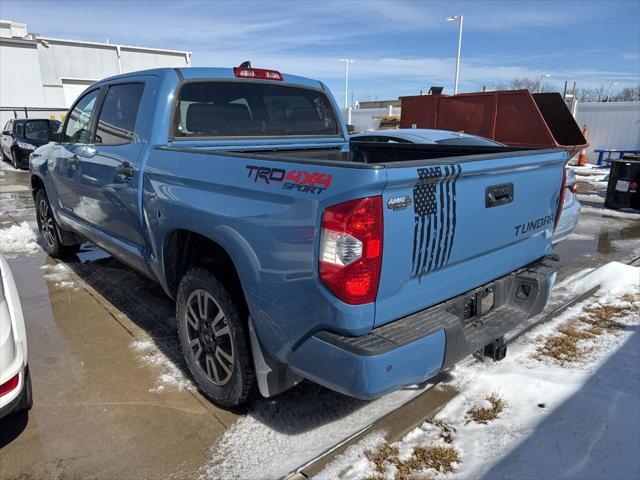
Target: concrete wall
{"points": [[367, 118], [40, 71], [68, 66], [20, 74], [614, 125]]}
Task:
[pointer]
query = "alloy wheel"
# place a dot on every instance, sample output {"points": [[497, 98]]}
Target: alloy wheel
{"points": [[209, 337], [46, 223]]}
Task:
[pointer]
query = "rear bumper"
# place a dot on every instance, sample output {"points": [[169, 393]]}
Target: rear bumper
{"points": [[13, 399], [415, 348]]}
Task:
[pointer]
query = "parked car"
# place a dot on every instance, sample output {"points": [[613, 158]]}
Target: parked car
{"points": [[422, 135], [571, 206], [291, 252], [22, 136], [15, 381]]}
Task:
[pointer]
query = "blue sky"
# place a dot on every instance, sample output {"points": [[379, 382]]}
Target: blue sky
{"points": [[399, 47]]}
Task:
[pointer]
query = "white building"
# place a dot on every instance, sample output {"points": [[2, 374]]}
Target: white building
{"points": [[38, 71]]}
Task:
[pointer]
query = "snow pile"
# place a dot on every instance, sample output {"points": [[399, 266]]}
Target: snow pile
{"points": [[170, 376], [574, 420], [612, 278], [60, 276], [18, 239]]}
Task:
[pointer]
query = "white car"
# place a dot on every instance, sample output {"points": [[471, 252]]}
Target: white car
{"points": [[15, 382], [423, 135]]}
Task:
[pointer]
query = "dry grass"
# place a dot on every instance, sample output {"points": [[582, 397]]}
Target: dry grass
{"points": [[487, 414], [382, 457], [575, 338], [441, 458]]}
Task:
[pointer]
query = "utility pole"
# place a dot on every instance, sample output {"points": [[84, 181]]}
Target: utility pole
{"points": [[346, 61], [542, 77], [460, 19]]}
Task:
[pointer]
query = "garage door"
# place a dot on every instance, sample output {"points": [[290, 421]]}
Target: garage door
{"points": [[73, 88]]}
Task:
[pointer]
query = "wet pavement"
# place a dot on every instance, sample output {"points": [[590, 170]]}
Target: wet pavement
{"points": [[112, 398], [106, 404]]}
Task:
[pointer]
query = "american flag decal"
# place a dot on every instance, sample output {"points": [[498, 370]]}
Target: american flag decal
{"points": [[434, 200]]}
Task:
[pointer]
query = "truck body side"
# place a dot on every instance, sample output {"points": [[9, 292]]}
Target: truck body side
{"points": [[160, 203]]}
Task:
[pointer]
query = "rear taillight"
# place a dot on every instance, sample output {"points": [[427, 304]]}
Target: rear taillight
{"points": [[242, 72], [9, 385], [351, 249], [561, 199]]}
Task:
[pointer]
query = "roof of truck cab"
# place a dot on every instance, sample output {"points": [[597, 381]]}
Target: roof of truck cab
{"points": [[213, 73]]}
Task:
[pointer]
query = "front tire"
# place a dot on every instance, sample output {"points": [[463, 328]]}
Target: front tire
{"points": [[49, 229], [214, 340], [14, 160]]}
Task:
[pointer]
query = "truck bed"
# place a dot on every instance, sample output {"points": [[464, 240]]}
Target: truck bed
{"points": [[367, 153]]}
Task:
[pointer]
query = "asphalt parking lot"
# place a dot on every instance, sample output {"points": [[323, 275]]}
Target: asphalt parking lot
{"points": [[111, 395]]}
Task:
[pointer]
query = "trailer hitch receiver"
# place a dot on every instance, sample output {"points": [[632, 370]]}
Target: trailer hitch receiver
{"points": [[496, 350]]}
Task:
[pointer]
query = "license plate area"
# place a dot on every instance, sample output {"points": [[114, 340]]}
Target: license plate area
{"points": [[476, 305]]}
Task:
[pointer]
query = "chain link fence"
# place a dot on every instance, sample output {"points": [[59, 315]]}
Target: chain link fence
{"points": [[10, 113]]}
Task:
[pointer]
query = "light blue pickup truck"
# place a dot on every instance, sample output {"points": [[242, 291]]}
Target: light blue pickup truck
{"points": [[291, 253]]}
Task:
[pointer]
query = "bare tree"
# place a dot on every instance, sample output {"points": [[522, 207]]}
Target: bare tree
{"points": [[627, 94], [594, 94], [522, 83]]}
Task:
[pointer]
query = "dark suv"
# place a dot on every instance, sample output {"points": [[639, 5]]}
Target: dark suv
{"points": [[21, 137]]}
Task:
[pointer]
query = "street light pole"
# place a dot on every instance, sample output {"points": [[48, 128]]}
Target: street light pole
{"points": [[457, 18], [346, 61], [542, 77], [609, 91]]}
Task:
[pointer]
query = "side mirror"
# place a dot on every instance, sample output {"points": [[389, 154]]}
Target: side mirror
{"points": [[350, 128], [6, 132]]}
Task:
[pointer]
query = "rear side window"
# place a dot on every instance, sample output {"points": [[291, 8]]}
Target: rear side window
{"points": [[117, 119], [20, 129], [235, 109]]}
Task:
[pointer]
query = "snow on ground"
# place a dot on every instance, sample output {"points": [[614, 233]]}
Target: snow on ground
{"points": [[60, 276], [170, 376], [562, 419], [626, 213], [18, 239], [280, 434]]}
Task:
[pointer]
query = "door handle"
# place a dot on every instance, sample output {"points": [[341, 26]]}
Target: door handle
{"points": [[74, 161], [125, 169], [497, 195]]}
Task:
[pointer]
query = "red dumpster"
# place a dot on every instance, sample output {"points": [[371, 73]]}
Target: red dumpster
{"points": [[513, 117]]}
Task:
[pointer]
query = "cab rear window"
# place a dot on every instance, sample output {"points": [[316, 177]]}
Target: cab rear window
{"points": [[239, 109]]}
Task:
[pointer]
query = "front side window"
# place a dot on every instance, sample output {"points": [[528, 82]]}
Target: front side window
{"points": [[37, 130], [117, 118], [79, 122], [239, 109]]}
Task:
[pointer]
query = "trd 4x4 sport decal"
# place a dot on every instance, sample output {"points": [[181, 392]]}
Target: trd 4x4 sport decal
{"points": [[434, 203], [300, 180]]}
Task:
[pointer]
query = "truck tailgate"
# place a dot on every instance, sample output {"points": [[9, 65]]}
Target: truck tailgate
{"points": [[451, 225]]}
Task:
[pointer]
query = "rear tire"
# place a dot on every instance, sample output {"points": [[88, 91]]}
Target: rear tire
{"points": [[49, 229], [214, 340]]}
